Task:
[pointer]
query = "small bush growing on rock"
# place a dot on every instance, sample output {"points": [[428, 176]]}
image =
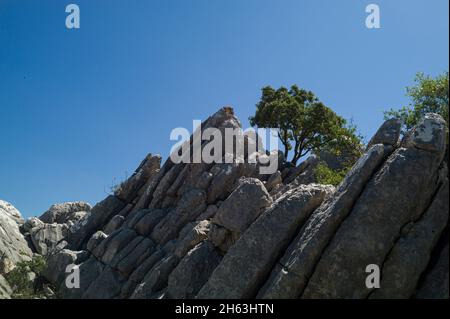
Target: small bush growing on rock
{"points": [[26, 279], [327, 176]]}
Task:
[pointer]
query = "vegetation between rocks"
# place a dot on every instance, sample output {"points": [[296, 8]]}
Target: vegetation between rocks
{"points": [[26, 280]]}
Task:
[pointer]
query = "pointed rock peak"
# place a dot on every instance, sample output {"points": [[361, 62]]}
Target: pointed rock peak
{"points": [[428, 135], [387, 134], [228, 110], [10, 211], [223, 118]]}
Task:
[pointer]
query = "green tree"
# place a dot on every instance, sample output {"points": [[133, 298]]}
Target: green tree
{"points": [[428, 95], [304, 123]]}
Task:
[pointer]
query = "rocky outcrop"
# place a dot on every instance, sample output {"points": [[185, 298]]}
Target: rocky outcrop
{"points": [[415, 243], [249, 260], [5, 289], [13, 246], [436, 280], [387, 134], [52, 228], [365, 221], [255, 196], [223, 230], [66, 212]]}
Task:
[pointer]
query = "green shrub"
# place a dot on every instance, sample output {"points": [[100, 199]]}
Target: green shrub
{"points": [[327, 176], [428, 95], [22, 285]]}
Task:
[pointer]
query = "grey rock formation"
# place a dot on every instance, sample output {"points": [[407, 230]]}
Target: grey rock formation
{"points": [[304, 171], [428, 135], [95, 240], [193, 271], [98, 217], [274, 180], [299, 261], [13, 246], [129, 189], [47, 236], [191, 235], [156, 279], [387, 134], [9, 211], [114, 224], [55, 272], [436, 281], [370, 231], [249, 261], [65, 212], [32, 222], [416, 243], [89, 271], [5, 289], [243, 206], [224, 230], [51, 230]]}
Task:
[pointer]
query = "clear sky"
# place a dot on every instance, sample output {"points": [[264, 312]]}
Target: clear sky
{"points": [[80, 108]]}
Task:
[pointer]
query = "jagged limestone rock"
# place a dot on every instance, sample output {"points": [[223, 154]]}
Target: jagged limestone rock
{"points": [[46, 237], [114, 224], [193, 271], [98, 217], [387, 134], [369, 232], [243, 206], [129, 189], [13, 246], [289, 278], [213, 231], [55, 272], [436, 281], [247, 263], [400, 279], [62, 213], [5, 289]]}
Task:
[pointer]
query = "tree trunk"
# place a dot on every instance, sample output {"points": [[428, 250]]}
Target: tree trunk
{"points": [[286, 149]]}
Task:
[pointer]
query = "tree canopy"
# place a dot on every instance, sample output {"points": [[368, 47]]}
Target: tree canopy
{"points": [[304, 123], [428, 95]]}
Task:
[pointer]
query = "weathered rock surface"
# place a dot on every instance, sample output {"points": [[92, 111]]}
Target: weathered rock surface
{"points": [[289, 279], [193, 271], [98, 217], [13, 246], [223, 230], [65, 212], [8, 210], [387, 134], [428, 135], [55, 272], [379, 215], [5, 289], [243, 206], [149, 167], [416, 243], [46, 237], [249, 261], [435, 283]]}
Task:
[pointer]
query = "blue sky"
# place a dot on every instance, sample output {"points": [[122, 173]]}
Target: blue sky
{"points": [[80, 108]]}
